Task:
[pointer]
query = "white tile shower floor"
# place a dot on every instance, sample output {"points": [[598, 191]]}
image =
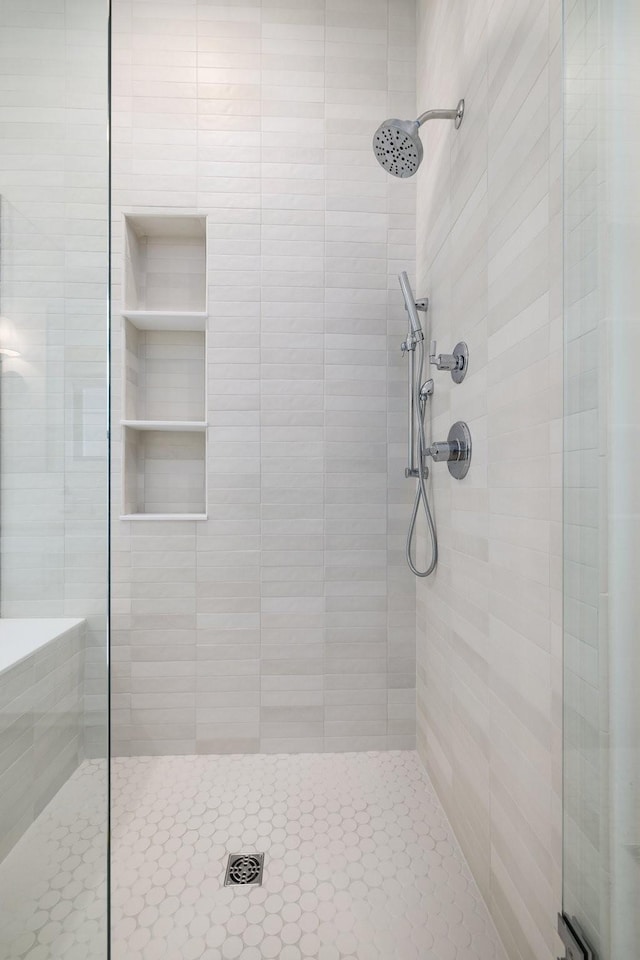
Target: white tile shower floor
{"points": [[53, 895], [360, 861]]}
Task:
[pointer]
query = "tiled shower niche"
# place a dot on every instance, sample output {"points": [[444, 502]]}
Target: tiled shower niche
{"points": [[164, 364], [165, 264], [164, 474], [164, 375]]}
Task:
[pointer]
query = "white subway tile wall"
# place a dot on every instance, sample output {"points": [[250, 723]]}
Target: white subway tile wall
{"points": [[489, 622], [41, 728], [286, 620], [53, 302]]}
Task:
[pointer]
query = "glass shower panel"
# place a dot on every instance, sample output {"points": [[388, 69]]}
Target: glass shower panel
{"points": [[54, 166], [602, 494]]}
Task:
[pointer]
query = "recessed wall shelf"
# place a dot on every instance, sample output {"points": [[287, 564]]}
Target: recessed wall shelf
{"points": [[165, 374], [163, 516], [173, 320], [164, 365], [165, 263], [188, 426], [164, 473]]}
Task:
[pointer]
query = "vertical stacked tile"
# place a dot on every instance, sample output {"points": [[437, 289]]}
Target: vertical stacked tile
{"points": [[452, 241], [489, 254], [294, 639], [154, 165], [524, 326], [121, 560], [400, 254], [292, 375], [356, 379], [53, 258], [121, 574], [228, 585], [85, 355], [41, 719], [32, 254]]}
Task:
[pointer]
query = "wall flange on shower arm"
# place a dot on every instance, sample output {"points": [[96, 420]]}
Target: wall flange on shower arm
{"points": [[397, 145]]}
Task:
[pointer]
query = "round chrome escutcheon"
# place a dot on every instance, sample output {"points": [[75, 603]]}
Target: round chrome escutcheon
{"points": [[460, 436]]}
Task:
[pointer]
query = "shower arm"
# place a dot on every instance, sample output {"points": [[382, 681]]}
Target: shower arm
{"points": [[456, 114]]}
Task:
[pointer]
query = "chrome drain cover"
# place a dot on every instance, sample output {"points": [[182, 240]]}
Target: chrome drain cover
{"points": [[244, 868]]}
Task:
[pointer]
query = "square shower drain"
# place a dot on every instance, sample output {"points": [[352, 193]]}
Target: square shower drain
{"points": [[244, 868]]}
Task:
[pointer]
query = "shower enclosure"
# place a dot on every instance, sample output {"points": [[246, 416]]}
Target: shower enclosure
{"points": [[53, 479], [224, 688]]}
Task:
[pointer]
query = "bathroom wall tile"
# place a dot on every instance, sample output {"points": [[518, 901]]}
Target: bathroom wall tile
{"points": [[490, 259], [43, 739], [260, 114], [54, 208], [293, 561]]}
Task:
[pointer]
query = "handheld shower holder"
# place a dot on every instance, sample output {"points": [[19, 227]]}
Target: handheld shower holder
{"points": [[426, 390], [413, 473]]}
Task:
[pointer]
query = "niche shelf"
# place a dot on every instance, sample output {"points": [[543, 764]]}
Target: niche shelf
{"points": [[164, 406], [164, 475], [165, 266], [159, 320], [177, 426], [165, 374]]}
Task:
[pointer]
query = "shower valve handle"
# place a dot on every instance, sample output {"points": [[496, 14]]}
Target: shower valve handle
{"points": [[444, 361], [456, 363], [447, 450], [455, 451]]}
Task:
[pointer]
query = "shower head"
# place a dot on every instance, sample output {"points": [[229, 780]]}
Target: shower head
{"points": [[397, 145], [410, 306]]}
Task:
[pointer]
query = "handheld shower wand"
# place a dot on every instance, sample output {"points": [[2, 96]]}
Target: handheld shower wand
{"points": [[412, 306], [418, 398]]}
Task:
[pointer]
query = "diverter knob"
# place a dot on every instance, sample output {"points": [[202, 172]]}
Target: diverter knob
{"points": [[455, 451]]}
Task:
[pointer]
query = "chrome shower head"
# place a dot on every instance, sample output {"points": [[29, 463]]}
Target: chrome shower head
{"points": [[397, 145]]}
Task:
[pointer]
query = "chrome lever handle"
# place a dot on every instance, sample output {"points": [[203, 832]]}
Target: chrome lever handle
{"points": [[444, 361], [456, 363]]}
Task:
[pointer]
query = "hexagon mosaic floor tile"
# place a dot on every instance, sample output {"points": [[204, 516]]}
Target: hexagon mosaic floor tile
{"points": [[360, 861]]}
